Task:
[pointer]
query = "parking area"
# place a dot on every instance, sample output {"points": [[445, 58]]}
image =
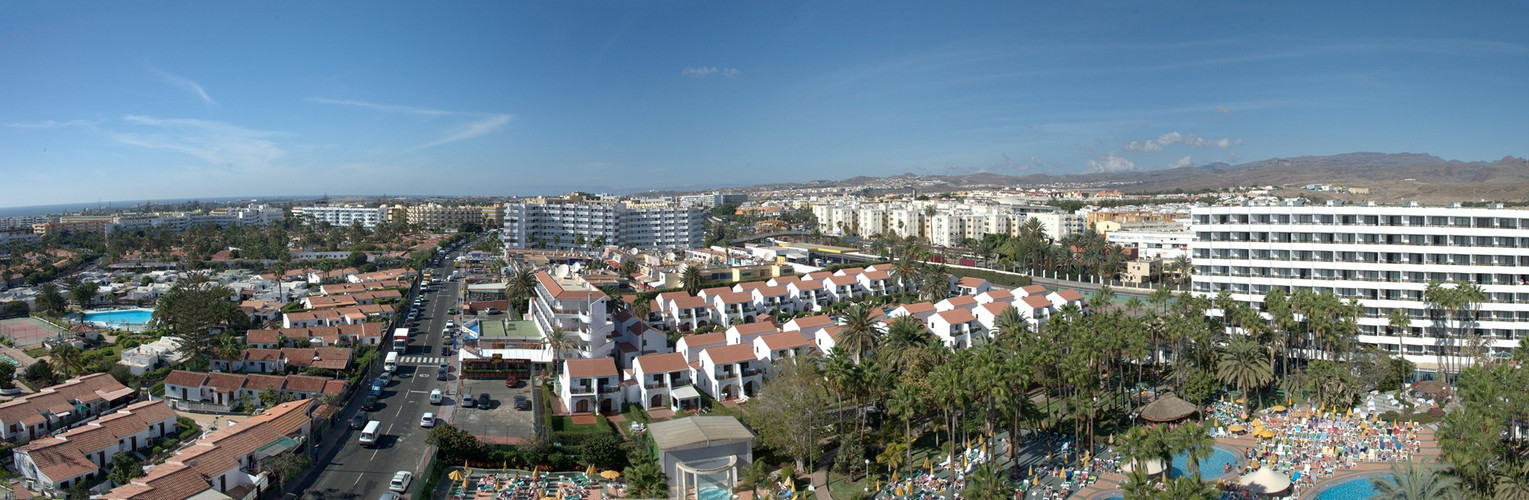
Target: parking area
{"points": [[501, 419]]}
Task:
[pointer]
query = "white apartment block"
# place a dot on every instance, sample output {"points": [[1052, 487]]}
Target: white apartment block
{"points": [[578, 308], [1385, 256], [344, 216], [1153, 245], [942, 223], [577, 222]]}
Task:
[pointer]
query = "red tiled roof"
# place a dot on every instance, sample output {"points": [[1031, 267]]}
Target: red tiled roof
{"points": [[954, 316], [1034, 289], [784, 340], [1037, 301], [262, 337], [962, 301], [843, 280], [995, 308], [662, 363], [592, 367], [918, 308], [690, 302], [972, 282], [998, 294], [773, 291], [705, 339], [259, 382], [754, 328], [1070, 295], [810, 321], [729, 354], [185, 378], [735, 297]]}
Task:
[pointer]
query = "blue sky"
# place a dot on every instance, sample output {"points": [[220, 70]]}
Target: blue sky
{"points": [[147, 100]]}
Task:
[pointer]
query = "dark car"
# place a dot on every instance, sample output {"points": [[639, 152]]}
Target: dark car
{"points": [[358, 421], [445, 350], [522, 403], [483, 401], [371, 403], [440, 372], [468, 401]]}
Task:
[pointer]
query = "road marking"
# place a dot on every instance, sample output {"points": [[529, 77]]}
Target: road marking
{"points": [[359, 476], [419, 392]]}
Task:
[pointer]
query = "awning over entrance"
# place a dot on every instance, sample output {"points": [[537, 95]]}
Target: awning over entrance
{"points": [[685, 393]]}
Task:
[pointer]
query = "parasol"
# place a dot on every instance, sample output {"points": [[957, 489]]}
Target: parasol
{"points": [[1235, 428], [610, 474], [1265, 481], [1277, 408]]}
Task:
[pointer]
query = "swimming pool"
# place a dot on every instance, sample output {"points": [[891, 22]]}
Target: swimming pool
{"points": [[130, 319], [1210, 467], [713, 494], [1354, 489]]}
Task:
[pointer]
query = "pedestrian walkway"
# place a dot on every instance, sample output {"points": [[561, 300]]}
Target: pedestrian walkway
{"points": [[421, 360]]}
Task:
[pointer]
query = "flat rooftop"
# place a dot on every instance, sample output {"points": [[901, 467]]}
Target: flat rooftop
{"points": [[522, 329]]}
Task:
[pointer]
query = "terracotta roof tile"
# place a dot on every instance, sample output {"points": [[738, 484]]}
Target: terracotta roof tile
{"points": [[729, 354], [954, 316], [592, 367], [661, 363]]}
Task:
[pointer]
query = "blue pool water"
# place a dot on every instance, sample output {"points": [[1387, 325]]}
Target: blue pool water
{"points": [[1210, 468], [130, 318], [713, 494], [1353, 489]]}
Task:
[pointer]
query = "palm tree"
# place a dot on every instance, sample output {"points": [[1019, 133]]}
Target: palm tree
{"points": [[935, 284], [67, 358], [1188, 488], [521, 287], [1415, 481], [690, 280], [1196, 442], [559, 342], [859, 333], [1102, 298], [1400, 322], [904, 403], [1243, 364], [1010, 326], [988, 482], [905, 340]]}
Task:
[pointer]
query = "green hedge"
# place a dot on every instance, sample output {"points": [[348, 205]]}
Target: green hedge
{"points": [[1002, 279]]}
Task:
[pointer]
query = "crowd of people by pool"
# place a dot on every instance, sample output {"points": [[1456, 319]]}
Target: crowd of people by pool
{"points": [[1309, 443]]}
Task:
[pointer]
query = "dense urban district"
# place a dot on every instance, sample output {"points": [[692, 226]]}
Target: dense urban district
{"points": [[895, 341]]}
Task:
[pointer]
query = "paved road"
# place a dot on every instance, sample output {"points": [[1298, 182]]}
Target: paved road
{"points": [[355, 472]]}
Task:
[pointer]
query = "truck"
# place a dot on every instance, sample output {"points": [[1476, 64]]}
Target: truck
{"points": [[390, 364], [400, 339]]}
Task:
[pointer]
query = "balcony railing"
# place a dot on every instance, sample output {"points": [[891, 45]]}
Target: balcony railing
{"points": [[752, 372], [656, 385]]}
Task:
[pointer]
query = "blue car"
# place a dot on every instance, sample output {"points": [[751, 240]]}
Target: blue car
{"points": [[377, 387]]}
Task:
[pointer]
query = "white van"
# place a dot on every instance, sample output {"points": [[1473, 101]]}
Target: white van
{"points": [[435, 396], [390, 363], [370, 434]]}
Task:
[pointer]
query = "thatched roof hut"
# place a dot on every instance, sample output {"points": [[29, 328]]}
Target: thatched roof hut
{"points": [[1168, 408]]}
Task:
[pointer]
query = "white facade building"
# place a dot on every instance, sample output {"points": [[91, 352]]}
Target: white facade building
{"points": [[1385, 256], [344, 216], [1153, 245], [579, 222]]}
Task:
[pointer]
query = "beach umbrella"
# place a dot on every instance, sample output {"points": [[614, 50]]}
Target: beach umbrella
{"points": [[1265, 481], [456, 475], [926, 465], [610, 474], [590, 471], [1235, 428], [1152, 467], [1278, 408]]}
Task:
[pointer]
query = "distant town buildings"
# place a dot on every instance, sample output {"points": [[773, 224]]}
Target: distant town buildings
{"points": [[346, 216], [943, 223]]}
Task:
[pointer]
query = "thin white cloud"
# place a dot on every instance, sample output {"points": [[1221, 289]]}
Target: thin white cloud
{"points": [[701, 72], [187, 84], [217, 143], [1181, 162], [46, 124], [391, 108], [1111, 163], [731, 72], [469, 131], [484, 124], [1222, 109], [1171, 138]]}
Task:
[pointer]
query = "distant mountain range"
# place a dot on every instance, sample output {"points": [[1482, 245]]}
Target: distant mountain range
{"points": [[1388, 176]]}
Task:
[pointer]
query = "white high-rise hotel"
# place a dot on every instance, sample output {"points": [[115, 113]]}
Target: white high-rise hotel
{"points": [[1384, 256], [581, 221]]}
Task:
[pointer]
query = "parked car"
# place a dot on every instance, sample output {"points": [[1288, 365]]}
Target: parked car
{"points": [[468, 401], [428, 420], [522, 403], [483, 401], [445, 350], [401, 480], [371, 403], [358, 420], [511, 381], [435, 396]]}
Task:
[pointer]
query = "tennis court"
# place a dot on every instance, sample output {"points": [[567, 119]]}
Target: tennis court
{"points": [[27, 332]]}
